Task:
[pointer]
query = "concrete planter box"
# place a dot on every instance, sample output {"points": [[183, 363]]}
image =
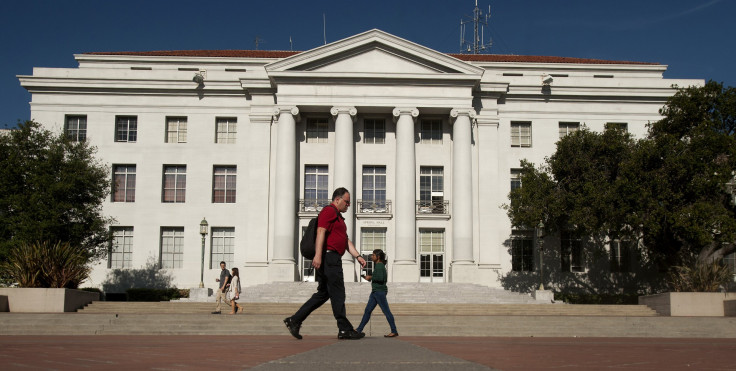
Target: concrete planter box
{"points": [[47, 300], [680, 304]]}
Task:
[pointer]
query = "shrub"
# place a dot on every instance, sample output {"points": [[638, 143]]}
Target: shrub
{"points": [[702, 277], [629, 299], [42, 264], [154, 294]]}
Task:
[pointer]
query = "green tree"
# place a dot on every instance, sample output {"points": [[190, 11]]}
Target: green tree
{"points": [[51, 190], [667, 190], [686, 161]]}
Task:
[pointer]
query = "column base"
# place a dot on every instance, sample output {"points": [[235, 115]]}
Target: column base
{"points": [[405, 272], [282, 271], [200, 295], [546, 296], [464, 273]]}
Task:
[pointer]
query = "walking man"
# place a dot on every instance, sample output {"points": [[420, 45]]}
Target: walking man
{"points": [[332, 242], [222, 290]]}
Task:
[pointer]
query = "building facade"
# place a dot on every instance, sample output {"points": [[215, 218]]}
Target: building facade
{"points": [[428, 143]]}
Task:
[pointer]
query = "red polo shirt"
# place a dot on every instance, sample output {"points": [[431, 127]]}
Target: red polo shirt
{"points": [[337, 232]]}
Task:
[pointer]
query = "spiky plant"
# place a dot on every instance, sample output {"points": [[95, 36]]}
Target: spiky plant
{"points": [[42, 264], [700, 277]]}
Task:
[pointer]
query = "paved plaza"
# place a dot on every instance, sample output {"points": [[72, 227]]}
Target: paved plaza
{"points": [[326, 353]]}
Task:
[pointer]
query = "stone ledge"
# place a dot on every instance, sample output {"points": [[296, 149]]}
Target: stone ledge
{"points": [[41, 300]]}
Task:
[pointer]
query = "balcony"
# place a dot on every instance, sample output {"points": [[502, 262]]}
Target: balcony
{"points": [[433, 208], [312, 206], [373, 209]]}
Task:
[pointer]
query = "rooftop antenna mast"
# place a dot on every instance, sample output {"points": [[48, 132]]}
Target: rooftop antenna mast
{"points": [[479, 21]]}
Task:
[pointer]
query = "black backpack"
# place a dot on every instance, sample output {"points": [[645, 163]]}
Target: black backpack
{"points": [[306, 246]]}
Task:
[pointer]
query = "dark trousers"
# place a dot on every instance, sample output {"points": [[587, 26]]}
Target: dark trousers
{"points": [[331, 286]]}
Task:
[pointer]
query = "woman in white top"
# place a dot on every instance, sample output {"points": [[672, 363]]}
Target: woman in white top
{"points": [[235, 292]]}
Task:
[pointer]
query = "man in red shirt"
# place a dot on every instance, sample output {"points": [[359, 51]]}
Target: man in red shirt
{"points": [[332, 242]]}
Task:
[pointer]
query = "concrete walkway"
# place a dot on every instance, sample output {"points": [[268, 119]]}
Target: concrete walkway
{"points": [[403, 353]]}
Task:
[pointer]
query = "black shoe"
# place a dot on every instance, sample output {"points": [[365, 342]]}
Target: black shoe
{"points": [[216, 312], [350, 335], [293, 327]]}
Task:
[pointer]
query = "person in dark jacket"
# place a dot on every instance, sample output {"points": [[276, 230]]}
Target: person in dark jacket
{"points": [[378, 294]]}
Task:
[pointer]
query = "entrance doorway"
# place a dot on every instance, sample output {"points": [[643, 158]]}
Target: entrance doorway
{"points": [[431, 255]]}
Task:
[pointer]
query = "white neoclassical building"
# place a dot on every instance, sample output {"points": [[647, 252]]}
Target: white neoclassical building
{"points": [[428, 143]]}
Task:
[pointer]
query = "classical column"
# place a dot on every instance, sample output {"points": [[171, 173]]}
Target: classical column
{"points": [[345, 163], [462, 194], [283, 263], [405, 261]]}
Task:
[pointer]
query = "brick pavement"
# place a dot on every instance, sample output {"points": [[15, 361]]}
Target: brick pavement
{"points": [[240, 352]]}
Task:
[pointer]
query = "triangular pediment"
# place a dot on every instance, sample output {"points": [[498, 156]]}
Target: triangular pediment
{"points": [[374, 52]]}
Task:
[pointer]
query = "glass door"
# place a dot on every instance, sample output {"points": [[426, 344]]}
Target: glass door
{"points": [[431, 255]]}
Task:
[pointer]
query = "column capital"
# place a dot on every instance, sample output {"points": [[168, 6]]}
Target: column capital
{"points": [[352, 111], [398, 111], [405, 111], [293, 110], [455, 112]]}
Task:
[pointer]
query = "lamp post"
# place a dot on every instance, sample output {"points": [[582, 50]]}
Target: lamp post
{"points": [[203, 225], [540, 235]]}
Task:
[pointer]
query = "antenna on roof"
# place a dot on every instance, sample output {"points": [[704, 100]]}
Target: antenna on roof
{"points": [[258, 40], [324, 27], [291, 44], [479, 20]]}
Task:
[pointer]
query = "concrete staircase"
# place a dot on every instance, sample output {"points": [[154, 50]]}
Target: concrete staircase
{"points": [[420, 310], [106, 318]]}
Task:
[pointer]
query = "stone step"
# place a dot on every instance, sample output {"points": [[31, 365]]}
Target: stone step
{"points": [[408, 325], [396, 309], [399, 292]]}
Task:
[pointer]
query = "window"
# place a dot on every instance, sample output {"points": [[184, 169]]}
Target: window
{"points": [[176, 130], [567, 128], [515, 179], [175, 183], [76, 128], [375, 131], [124, 183], [620, 255], [126, 129], [222, 246], [121, 248], [223, 184], [522, 248], [374, 188], [571, 252], [371, 239], [521, 134], [227, 130], [172, 247], [431, 131], [315, 186], [317, 130], [730, 261], [431, 194], [617, 126]]}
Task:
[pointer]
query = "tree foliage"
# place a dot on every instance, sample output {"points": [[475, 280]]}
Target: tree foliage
{"points": [[51, 189], [667, 190]]}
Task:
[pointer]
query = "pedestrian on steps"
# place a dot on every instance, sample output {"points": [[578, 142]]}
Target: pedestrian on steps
{"points": [[221, 295], [235, 292]]}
